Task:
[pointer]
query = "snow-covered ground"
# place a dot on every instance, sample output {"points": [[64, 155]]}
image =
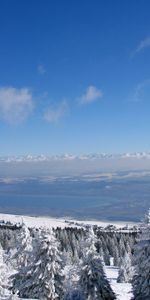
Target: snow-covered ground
{"points": [[58, 222], [122, 290]]}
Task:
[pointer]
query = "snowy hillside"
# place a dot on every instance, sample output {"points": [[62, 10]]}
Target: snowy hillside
{"points": [[26, 237], [59, 222], [44, 257]]}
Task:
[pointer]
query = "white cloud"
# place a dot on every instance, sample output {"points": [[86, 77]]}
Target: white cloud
{"points": [[141, 91], [142, 45], [91, 95], [54, 113], [41, 69], [15, 104]]}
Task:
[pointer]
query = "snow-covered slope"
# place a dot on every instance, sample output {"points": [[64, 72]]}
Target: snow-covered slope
{"points": [[123, 291], [58, 222]]}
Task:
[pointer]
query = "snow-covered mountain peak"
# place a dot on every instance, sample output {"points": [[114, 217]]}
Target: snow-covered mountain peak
{"points": [[71, 157]]}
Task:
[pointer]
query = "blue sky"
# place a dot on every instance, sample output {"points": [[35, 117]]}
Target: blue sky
{"points": [[74, 76]]}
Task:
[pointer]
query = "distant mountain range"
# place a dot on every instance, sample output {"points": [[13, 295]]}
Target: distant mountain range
{"points": [[70, 157]]}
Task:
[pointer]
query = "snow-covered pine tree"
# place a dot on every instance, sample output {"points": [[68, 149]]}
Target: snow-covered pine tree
{"points": [[106, 257], [4, 276], [126, 269], [72, 266], [93, 281], [121, 248], [104, 252], [147, 218], [88, 243], [21, 256], [43, 279], [141, 279], [116, 255]]}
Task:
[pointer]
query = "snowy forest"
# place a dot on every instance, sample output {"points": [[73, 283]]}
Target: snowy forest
{"points": [[69, 263]]}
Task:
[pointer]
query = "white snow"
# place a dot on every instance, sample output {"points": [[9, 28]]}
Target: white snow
{"points": [[58, 222], [34, 221], [123, 291]]}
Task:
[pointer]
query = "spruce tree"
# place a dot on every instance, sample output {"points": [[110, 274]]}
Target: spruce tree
{"points": [[93, 281], [43, 279], [141, 279], [4, 276], [21, 256], [126, 269]]}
